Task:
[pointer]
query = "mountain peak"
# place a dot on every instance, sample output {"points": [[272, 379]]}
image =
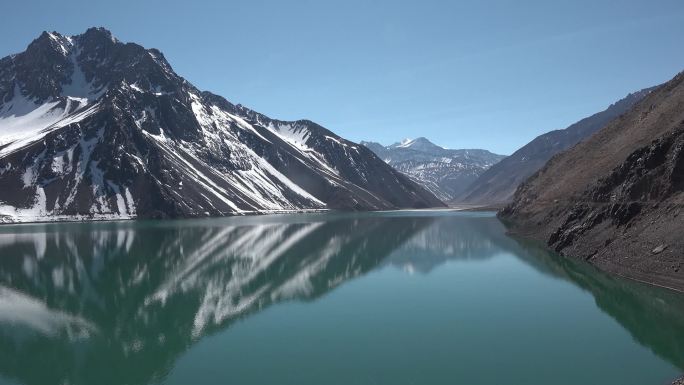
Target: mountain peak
{"points": [[99, 32], [50, 41], [423, 140], [419, 144], [62, 43], [445, 172]]}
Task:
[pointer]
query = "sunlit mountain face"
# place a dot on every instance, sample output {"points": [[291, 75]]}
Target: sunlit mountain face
{"points": [[124, 302], [444, 172], [94, 128]]}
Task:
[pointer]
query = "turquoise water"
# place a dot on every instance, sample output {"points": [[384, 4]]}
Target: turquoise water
{"points": [[377, 298]]}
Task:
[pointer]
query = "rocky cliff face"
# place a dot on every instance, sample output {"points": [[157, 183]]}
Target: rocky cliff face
{"points": [[616, 199], [92, 128], [444, 172], [497, 185]]}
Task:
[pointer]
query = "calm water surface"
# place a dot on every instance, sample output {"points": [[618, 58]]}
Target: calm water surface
{"points": [[381, 298]]}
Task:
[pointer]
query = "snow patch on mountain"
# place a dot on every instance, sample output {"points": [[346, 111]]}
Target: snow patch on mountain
{"points": [[24, 120], [296, 136], [78, 87], [22, 117]]}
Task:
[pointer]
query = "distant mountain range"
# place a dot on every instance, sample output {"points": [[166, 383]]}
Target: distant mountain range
{"points": [[444, 172], [93, 128], [616, 199], [497, 184]]}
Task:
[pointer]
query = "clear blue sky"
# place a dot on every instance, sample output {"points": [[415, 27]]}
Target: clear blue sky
{"points": [[466, 74]]}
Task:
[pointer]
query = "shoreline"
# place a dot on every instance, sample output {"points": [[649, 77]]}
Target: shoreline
{"points": [[512, 229], [128, 218], [489, 207], [652, 278]]}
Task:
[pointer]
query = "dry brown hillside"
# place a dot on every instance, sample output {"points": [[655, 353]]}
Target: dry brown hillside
{"points": [[616, 198]]}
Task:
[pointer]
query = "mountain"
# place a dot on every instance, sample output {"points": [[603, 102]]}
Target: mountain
{"points": [[497, 184], [91, 127], [616, 198], [445, 173]]}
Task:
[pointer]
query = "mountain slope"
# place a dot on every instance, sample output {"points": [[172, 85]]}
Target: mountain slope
{"points": [[444, 172], [616, 199], [497, 184], [91, 127]]}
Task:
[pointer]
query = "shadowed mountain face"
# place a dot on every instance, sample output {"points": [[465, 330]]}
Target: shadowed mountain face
{"points": [[616, 198], [91, 127], [113, 303], [444, 172], [497, 184]]}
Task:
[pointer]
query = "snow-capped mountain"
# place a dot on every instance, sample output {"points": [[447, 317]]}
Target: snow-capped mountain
{"points": [[446, 173], [91, 127]]}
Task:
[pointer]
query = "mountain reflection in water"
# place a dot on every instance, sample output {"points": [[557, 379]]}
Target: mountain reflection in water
{"points": [[118, 302]]}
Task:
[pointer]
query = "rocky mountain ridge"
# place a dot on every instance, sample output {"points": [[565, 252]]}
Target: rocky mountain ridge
{"points": [[93, 128], [444, 172]]}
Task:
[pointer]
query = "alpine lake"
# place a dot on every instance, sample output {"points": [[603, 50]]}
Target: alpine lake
{"points": [[407, 297]]}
